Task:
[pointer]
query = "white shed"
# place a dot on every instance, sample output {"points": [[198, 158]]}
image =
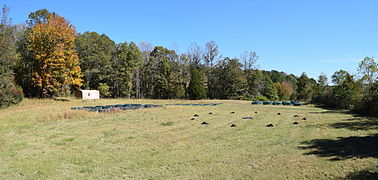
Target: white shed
{"points": [[90, 94]]}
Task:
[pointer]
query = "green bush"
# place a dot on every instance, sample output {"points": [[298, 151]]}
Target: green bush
{"points": [[10, 95], [169, 123], [369, 103], [260, 98], [104, 89]]}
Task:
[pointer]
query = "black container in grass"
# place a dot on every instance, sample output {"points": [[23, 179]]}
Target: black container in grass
{"points": [[210, 113], [233, 125], [295, 123], [257, 102], [94, 110], [304, 118], [278, 113], [269, 125], [286, 103], [277, 103], [247, 117], [149, 106], [296, 116], [267, 102], [232, 112], [196, 115], [193, 119], [296, 103], [256, 112], [104, 110], [205, 122]]}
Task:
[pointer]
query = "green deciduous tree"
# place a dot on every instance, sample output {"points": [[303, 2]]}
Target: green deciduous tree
{"points": [[142, 83], [305, 88], [210, 60], [127, 59], [9, 92], [368, 68], [369, 104], [323, 80], [231, 80], [104, 90], [284, 90], [348, 93], [39, 16], [166, 83], [339, 76], [321, 90], [256, 83], [95, 53], [249, 59]]}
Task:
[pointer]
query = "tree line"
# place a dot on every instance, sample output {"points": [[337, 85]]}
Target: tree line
{"points": [[46, 57]]}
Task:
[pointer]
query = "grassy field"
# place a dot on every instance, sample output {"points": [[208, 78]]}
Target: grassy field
{"points": [[44, 139]]}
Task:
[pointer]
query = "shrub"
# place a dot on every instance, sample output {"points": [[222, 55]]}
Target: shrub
{"points": [[260, 98], [369, 103], [104, 89], [10, 95], [169, 123]]}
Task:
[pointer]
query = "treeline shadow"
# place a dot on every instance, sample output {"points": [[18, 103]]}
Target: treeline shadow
{"points": [[347, 147], [357, 123], [330, 110], [61, 99], [343, 147], [361, 175]]}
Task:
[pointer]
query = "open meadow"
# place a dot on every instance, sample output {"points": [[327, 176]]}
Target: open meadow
{"points": [[45, 139]]}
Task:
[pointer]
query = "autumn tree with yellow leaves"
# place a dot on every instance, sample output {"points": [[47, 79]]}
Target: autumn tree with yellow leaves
{"points": [[56, 67]]}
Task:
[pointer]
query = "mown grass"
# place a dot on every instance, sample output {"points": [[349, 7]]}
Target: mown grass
{"points": [[44, 139]]}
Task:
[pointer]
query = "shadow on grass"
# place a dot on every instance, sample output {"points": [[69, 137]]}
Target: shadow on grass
{"points": [[332, 111], [61, 99], [357, 123], [361, 175], [347, 147], [343, 147]]}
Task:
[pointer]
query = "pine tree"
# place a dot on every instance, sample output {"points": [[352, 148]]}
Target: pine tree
{"points": [[196, 89], [270, 90]]}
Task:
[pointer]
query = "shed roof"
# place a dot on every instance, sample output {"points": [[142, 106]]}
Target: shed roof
{"points": [[89, 90]]}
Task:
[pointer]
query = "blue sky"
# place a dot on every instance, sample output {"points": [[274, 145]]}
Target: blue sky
{"points": [[293, 36]]}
